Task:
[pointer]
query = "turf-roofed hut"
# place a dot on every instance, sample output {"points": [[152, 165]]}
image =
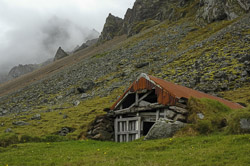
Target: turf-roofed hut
{"points": [[147, 100]]}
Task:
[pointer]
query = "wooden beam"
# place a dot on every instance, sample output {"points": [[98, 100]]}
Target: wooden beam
{"points": [[125, 119], [138, 100], [116, 129], [139, 109], [127, 132], [139, 127], [127, 135], [157, 114]]}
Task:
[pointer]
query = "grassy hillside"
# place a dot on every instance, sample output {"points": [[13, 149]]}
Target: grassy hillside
{"points": [[202, 150], [202, 53], [213, 58]]}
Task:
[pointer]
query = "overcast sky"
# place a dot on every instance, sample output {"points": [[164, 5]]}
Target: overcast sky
{"points": [[32, 30]]}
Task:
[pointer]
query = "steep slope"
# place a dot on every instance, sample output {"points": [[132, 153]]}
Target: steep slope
{"points": [[212, 58]]}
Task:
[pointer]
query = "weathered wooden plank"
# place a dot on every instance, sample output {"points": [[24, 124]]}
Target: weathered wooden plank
{"points": [[127, 132], [139, 109], [127, 119], [181, 105], [139, 127], [127, 135], [137, 100], [157, 114], [165, 113], [178, 109], [116, 130]]}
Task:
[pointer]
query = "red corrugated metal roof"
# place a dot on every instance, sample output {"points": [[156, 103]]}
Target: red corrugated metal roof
{"points": [[168, 93]]}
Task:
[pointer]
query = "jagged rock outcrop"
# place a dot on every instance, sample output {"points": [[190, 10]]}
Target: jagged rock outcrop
{"points": [[19, 70], [111, 28], [143, 15], [147, 13], [213, 10], [60, 53], [85, 45]]}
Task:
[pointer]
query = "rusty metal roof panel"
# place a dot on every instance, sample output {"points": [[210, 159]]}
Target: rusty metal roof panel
{"points": [[168, 93]]}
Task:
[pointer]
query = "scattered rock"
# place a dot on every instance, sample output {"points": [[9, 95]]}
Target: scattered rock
{"points": [[141, 65], [65, 116], [163, 128], [4, 112], [87, 85], [245, 124], [36, 117], [200, 115], [8, 130], [20, 123], [180, 117], [76, 103], [102, 128], [59, 97], [71, 91], [84, 96], [65, 130], [170, 114]]}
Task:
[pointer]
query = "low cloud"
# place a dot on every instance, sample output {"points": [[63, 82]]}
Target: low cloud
{"points": [[31, 30]]}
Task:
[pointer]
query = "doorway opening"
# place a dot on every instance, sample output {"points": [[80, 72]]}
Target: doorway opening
{"points": [[146, 127]]}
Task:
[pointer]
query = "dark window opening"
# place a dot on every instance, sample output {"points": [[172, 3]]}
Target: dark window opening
{"points": [[152, 97], [146, 127], [130, 99]]}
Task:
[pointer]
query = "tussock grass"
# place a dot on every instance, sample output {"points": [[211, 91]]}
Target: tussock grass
{"points": [[199, 150]]}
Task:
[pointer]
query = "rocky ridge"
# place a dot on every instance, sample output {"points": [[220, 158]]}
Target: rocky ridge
{"points": [[19, 70], [146, 14]]}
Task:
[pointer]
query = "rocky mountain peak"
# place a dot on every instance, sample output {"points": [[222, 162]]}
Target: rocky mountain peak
{"points": [[147, 13], [111, 28], [60, 53], [19, 70]]}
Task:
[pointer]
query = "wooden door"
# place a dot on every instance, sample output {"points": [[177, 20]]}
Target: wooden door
{"points": [[127, 129]]}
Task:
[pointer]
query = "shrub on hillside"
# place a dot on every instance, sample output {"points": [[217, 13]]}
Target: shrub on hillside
{"points": [[235, 121], [27, 138], [214, 112], [53, 138], [8, 139]]}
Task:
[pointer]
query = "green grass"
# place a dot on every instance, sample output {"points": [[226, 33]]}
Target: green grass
{"points": [[239, 95], [51, 122], [201, 150]]}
